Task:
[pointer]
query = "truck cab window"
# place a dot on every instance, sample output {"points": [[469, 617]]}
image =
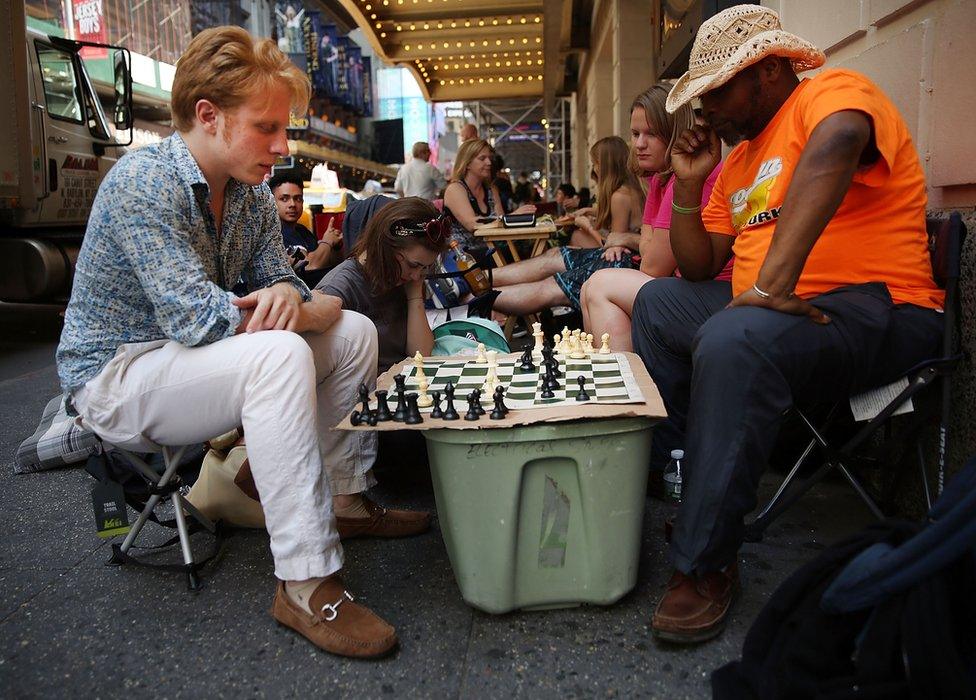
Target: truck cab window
{"points": [[61, 90]]}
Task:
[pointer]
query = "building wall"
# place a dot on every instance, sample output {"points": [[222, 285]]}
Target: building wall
{"points": [[618, 65], [922, 54]]}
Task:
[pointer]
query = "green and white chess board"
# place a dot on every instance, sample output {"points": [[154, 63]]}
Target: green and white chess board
{"points": [[608, 380]]}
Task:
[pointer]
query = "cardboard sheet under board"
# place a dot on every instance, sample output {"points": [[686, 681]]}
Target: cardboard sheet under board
{"points": [[651, 407]]}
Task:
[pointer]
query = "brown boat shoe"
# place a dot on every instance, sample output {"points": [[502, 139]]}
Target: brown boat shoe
{"points": [[341, 626], [383, 522], [694, 608]]}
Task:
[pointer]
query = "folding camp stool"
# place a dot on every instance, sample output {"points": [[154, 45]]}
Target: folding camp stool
{"points": [[163, 485], [946, 237]]}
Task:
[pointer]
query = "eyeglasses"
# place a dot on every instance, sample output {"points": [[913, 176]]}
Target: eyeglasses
{"points": [[437, 229]]}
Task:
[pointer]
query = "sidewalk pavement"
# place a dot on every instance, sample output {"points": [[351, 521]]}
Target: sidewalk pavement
{"points": [[69, 625]]}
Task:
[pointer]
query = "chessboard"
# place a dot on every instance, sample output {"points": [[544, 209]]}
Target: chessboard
{"points": [[607, 379]]}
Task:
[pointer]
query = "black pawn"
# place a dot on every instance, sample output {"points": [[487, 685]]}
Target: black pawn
{"points": [[356, 418], [413, 412], [450, 413], [477, 402], [582, 395], [472, 413], [382, 407], [436, 412], [364, 397]]}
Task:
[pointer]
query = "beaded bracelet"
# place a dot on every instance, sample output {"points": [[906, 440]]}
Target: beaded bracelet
{"points": [[685, 210]]}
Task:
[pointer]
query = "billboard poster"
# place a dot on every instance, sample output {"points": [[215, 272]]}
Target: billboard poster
{"points": [[367, 86], [289, 17], [354, 57], [310, 45], [328, 76], [89, 21], [342, 69]]}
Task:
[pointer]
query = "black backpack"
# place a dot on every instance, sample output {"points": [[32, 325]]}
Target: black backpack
{"points": [[899, 622]]}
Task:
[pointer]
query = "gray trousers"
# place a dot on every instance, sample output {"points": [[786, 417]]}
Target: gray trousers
{"points": [[727, 376]]}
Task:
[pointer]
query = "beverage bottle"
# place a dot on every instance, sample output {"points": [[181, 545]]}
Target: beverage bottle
{"points": [[474, 276], [672, 489]]}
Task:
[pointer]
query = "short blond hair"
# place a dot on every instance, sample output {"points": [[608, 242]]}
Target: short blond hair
{"points": [[226, 65]]}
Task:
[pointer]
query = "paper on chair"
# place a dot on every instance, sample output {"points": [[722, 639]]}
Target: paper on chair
{"points": [[869, 404]]}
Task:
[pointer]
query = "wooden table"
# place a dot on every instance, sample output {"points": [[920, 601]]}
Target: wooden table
{"points": [[495, 232]]}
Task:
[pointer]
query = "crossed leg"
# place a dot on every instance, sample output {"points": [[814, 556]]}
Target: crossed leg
{"points": [[607, 301]]}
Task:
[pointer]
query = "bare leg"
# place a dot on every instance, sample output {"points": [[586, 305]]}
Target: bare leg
{"points": [[520, 299], [531, 270], [608, 300], [584, 239]]}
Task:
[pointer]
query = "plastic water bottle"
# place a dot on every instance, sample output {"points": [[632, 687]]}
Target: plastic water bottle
{"points": [[672, 476], [672, 490]]}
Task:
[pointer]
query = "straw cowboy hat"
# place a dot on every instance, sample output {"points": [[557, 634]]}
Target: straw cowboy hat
{"points": [[735, 39]]}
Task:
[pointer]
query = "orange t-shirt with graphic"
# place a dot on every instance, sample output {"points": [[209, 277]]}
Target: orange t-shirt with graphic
{"points": [[878, 232]]}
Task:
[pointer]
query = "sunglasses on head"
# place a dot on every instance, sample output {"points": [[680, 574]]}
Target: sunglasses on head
{"points": [[436, 230]]}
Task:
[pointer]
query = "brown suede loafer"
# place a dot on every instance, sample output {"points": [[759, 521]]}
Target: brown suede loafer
{"points": [[383, 522], [694, 608], [341, 626]]}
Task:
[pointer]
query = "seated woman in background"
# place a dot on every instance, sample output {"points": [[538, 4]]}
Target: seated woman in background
{"points": [[471, 196], [383, 277], [608, 296], [620, 198], [556, 277]]}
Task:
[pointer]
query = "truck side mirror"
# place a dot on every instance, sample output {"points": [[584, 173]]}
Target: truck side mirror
{"points": [[123, 90]]}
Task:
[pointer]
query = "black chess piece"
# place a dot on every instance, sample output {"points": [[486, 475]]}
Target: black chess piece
{"points": [[372, 420], [547, 392], [472, 413], [450, 413], [364, 397], [412, 416], [582, 395], [526, 364], [436, 412], [556, 372], [477, 402], [382, 407], [400, 381], [400, 411], [355, 418], [499, 412]]}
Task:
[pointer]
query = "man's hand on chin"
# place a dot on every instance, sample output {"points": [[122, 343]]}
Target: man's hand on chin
{"points": [[276, 307]]}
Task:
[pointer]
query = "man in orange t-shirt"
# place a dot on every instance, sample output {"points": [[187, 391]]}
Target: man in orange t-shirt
{"points": [[823, 205]]}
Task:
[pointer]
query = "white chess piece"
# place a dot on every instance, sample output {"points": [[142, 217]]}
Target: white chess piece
{"points": [[557, 345], [491, 379], [423, 398], [539, 341], [566, 334], [481, 354], [418, 363], [605, 344], [576, 347], [588, 344]]}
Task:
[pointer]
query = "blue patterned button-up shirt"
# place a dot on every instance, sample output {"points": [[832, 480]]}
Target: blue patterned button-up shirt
{"points": [[153, 266]]}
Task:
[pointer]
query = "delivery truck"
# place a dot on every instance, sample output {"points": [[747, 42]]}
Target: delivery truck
{"points": [[56, 145]]}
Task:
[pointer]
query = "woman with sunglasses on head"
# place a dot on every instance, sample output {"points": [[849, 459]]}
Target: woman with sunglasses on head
{"points": [[471, 196], [607, 298], [384, 275]]}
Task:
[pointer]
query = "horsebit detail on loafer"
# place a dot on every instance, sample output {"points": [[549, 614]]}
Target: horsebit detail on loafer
{"points": [[333, 608]]}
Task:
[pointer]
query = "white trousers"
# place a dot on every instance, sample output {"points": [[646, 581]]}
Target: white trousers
{"points": [[287, 390]]}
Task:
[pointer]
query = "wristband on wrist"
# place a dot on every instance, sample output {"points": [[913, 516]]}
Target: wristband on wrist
{"points": [[685, 210]]}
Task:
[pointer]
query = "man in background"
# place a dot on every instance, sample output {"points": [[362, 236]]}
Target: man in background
{"points": [[419, 178], [309, 257], [468, 131]]}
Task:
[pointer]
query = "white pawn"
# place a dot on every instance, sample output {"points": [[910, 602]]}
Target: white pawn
{"points": [[588, 343], [605, 344], [418, 363], [481, 354], [423, 398], [557, 345], [566, 334]]}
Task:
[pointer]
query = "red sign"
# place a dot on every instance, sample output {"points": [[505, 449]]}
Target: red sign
{"points": [[89, 21]]}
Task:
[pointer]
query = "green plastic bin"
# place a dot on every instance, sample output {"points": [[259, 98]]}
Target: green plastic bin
{"points": [[545, 516]]}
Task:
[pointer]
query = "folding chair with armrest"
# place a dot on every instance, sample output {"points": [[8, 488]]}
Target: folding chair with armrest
{"points": [[946, 238]]}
